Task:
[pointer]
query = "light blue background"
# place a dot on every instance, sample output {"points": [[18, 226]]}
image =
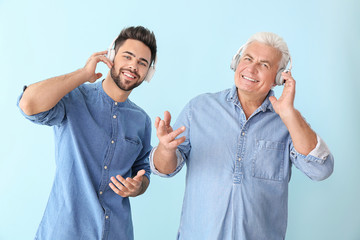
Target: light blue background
{"points": [[196, 41]]}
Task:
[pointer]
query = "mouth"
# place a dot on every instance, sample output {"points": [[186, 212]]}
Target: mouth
{"points": [[249, 79], [129, 75]]}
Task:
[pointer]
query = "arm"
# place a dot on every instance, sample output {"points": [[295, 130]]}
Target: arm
{"points": [[303, 137], [165, 159], [44, 95]]}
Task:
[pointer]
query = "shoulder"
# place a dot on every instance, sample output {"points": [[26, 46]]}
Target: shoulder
{"points": [[204, 98], [134, 107]]}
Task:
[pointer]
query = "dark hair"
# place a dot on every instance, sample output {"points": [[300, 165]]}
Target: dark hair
{"points": [[138, 33]]}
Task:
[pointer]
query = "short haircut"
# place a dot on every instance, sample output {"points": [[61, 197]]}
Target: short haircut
{"points": [[141, 34], [272, 40]]}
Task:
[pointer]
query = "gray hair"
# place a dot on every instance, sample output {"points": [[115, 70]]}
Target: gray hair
{"points": [[272, 40]]}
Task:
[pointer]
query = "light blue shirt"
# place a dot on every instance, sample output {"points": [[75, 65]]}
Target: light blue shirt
{"points": [[95, 138], [238, 170]]}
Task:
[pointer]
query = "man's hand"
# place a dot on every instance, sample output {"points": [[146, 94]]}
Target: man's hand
{"points": [[285, 104], [167, 135], [91, 64], [129, 187]]}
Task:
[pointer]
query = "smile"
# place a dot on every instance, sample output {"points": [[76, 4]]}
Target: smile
{"points": [[129, 75], [250, 79]]}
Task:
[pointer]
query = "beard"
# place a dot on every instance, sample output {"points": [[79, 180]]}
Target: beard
{"points": [[124, 84]]}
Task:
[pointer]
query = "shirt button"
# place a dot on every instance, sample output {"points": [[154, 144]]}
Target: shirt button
{"points": [[114, 116], [105, 167], [101, 192], [243, 133], [239, 159], [112, 141], [115, 103], [106, 217]]}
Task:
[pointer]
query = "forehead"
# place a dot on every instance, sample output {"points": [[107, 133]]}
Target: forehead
{"points": [[263, 52], [138, 48]]}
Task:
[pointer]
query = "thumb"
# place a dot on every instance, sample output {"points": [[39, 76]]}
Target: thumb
{"points": [[139, 175], [273, 100]]}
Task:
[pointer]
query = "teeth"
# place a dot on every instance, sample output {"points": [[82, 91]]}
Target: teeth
{"points": [[250, 79], [128, 75]]}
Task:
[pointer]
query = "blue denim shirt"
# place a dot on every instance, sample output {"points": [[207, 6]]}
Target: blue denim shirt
{"points": [[95, 138], [238, 170]]}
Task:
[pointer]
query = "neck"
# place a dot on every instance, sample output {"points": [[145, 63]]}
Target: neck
{"points": [[113, 91], [250, 103]]}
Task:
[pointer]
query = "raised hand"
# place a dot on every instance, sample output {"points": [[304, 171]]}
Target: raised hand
{"points": [[92, 62], [285, 104], [129, 187], [167, 135]]}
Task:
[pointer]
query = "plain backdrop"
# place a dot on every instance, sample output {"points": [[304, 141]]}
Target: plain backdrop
{"points": [[196, 41]]}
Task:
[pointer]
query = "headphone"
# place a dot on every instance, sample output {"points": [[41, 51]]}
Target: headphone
{"points": [[111, 55], [279, 80]]}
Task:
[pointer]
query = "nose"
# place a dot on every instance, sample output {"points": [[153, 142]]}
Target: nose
{"points": [[252, 67], [133, 66]]}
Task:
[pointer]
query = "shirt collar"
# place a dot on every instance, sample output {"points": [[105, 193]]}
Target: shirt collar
{"points": [[233, 97], [107, 98]]}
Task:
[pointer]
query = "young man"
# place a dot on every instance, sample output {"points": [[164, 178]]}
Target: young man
{"points": [[239, 146], [99, 134]]}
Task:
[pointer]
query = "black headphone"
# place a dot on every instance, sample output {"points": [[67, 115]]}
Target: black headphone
{"points": [[279, 80]]}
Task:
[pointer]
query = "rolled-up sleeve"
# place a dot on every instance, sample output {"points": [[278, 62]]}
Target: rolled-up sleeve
{"points": [[51, 117], [180, 164], [318, 164]]}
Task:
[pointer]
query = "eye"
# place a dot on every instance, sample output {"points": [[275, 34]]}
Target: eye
{"points": [[143, 64], [247, 59], [127, 57], [265, 65]]}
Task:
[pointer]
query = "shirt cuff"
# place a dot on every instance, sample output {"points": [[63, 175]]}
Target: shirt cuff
{"points": [[321, 150], [318, 154], [180, 162]]}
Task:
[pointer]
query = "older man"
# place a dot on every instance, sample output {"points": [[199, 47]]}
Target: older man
{"points": [[239, 145]]}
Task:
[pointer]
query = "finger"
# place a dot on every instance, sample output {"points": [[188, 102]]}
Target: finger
{"points": [[161, 130], [117, 191], [272, 99], [119, 185], [157, 121], [135, 183], [177, 132], [105, 60], [98, 75], [139, 175], [99, 53], [167, 118], [175, 143]]}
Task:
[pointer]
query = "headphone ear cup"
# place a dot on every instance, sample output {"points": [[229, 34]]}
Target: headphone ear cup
{"points": [[279, 80], [150, 74], [235, 62], [111, 54]]}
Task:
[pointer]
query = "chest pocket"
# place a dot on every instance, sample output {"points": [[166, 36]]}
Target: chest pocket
{"points": [[130, 149], [268, 160]]}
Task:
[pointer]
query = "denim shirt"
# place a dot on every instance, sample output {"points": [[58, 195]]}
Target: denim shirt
{"points": [[95, 138], [238, 170]]}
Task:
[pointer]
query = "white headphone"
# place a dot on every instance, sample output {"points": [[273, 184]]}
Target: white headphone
{"points": [[111, 55], [279, 80]]}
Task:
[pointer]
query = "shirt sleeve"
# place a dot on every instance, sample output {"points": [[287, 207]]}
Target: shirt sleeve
{"points": [[51, 117], [318, 164], [142, 162], [179, 165]]}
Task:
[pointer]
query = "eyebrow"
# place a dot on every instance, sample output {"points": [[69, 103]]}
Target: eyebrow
{"points": [[142, 59], [262, 61]]}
